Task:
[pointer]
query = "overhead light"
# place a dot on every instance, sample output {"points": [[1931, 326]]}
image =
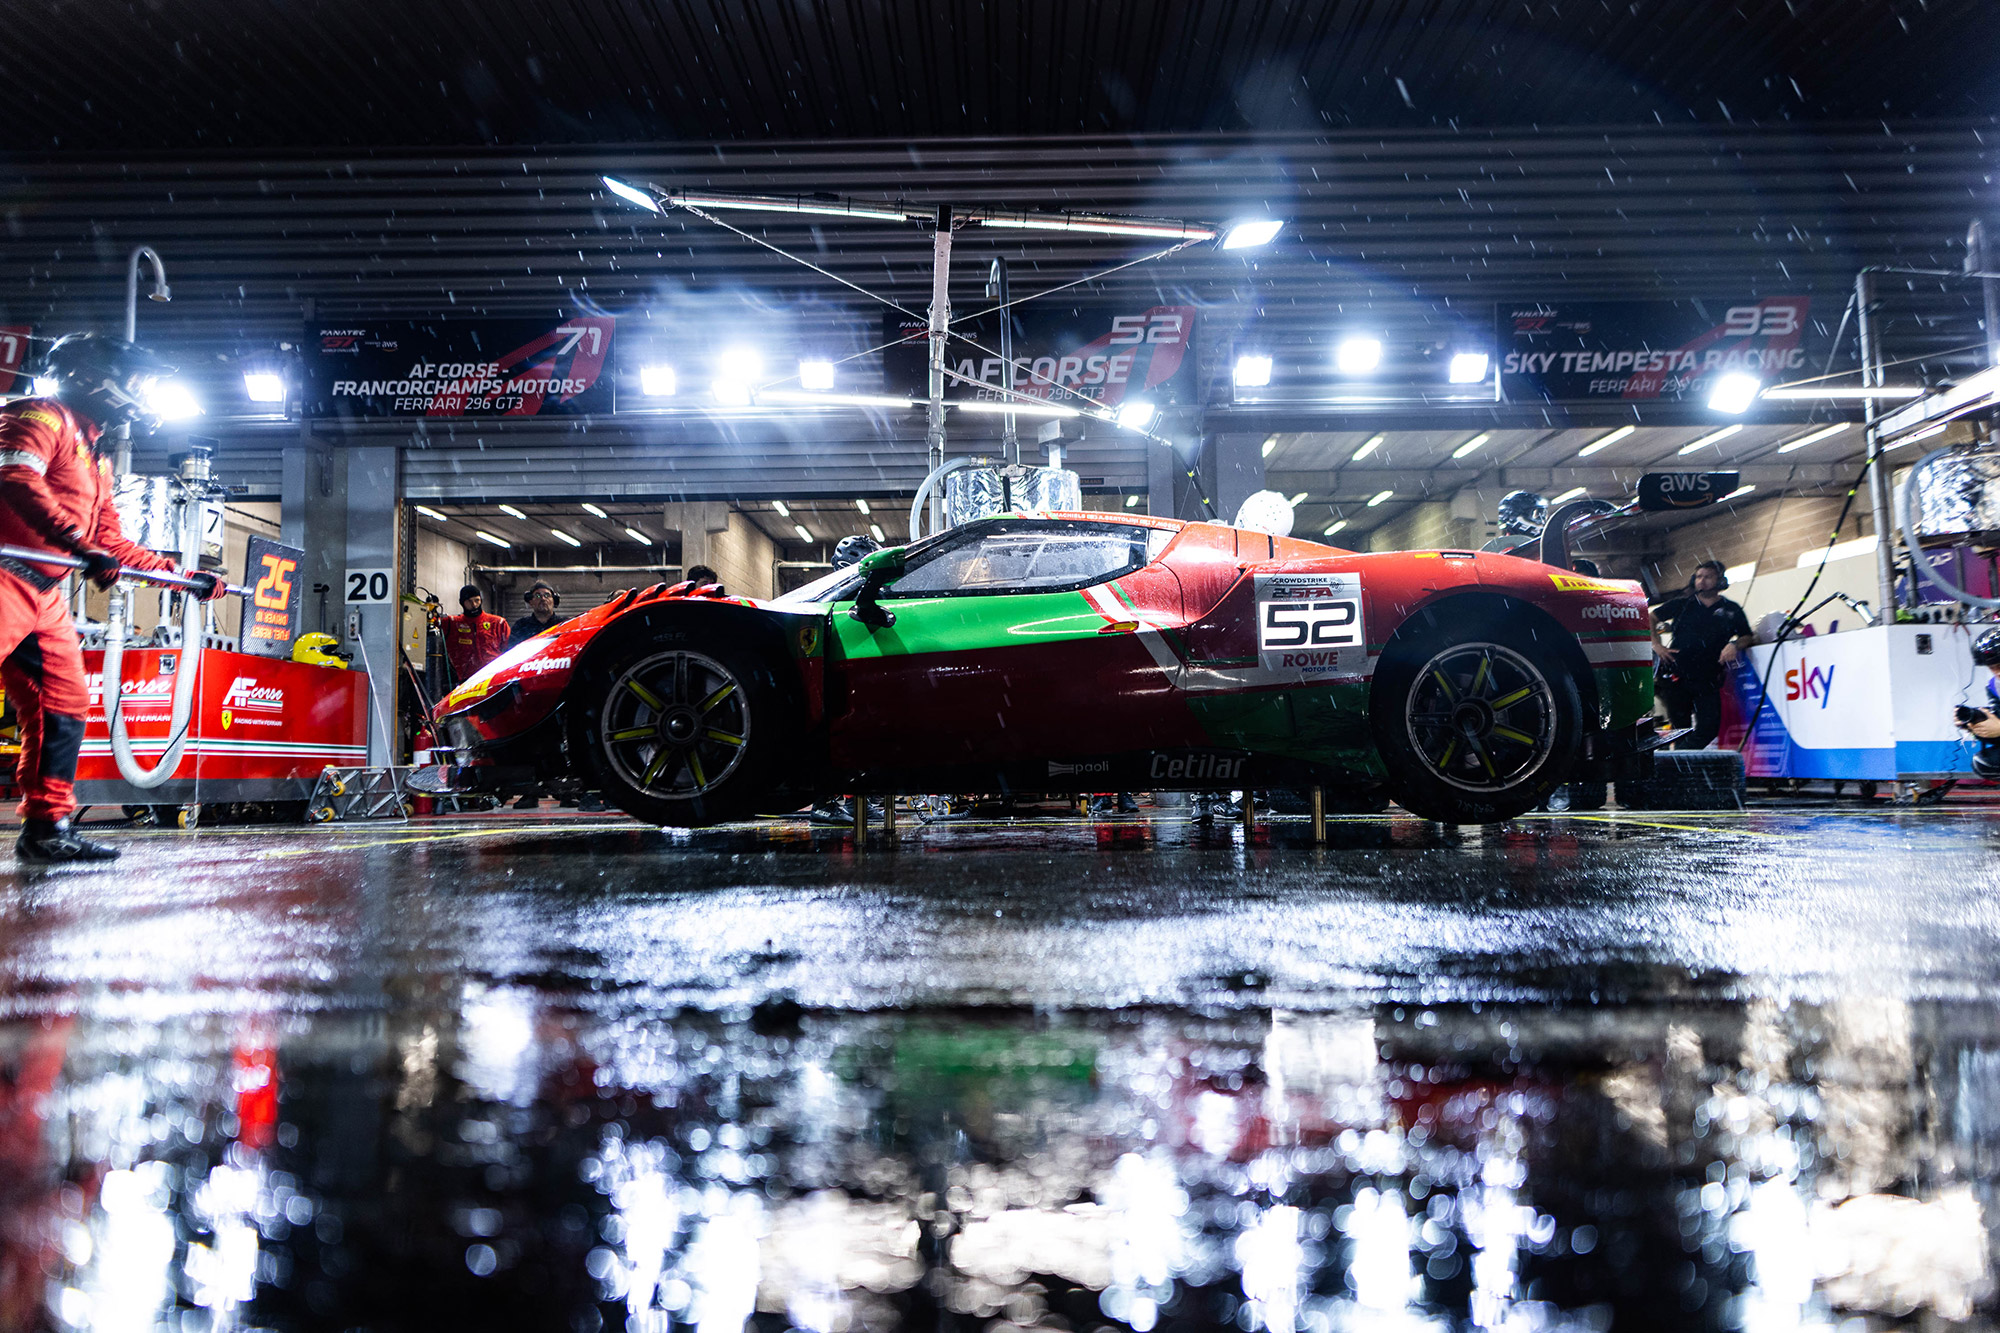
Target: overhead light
{"points": [[1569, 494], [1713, 437], [1095, 224], [1379, 497], [1734, 393], [490, 539], [1742, 573], [1132, 501], [816, 375], [1334, 527], [784, 510], [802, 203], [1741, 490], [264, 386], [170, 400], [1136, 415], [1915, 435], [429, 512], [875, 531], [1823, 433], [1252, 371], [638, 536], [631, 194], [833, 399], [1358, 356], [1297, 500], [1270, 443], [560, 535], [512, 512], [657, 381], [1251, 233], [1472, 445], [800, 528], [1468, 367], [46, 386], [593, 510], [1876, 391], [993, 407], [730, 393], [862, 505], [1605, 441], [1373, 443]]}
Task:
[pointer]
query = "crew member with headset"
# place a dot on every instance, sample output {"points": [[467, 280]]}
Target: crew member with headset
{"points": [[542, 602], [1984, 723], [1710, 632], [56, 493]]}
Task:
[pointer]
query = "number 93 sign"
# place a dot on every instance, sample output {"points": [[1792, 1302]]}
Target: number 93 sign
{"points": [[1311, 625]]}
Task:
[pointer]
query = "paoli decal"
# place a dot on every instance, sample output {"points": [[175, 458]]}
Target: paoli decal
{"points": [[1062, 770], [1310, 625]]}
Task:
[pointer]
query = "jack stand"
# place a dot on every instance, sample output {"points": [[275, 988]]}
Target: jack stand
{"points": [[1319, 816], [860, 800], [1249, 809]]}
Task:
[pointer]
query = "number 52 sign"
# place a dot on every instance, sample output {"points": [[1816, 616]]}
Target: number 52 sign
{"points": [[1311, 625]]}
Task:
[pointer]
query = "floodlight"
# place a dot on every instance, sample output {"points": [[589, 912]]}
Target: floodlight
{"points": [[1250, 234], [1468, 367], [1358, 356], [170, 400], [657, 381], [46, 386], [730, 393], [631, 194], [1137, 415], [1734, 393], [264, 386], [816, 375], [1605, 441], [1253, 371]]}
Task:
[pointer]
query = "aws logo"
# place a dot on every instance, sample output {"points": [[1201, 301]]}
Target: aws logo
{"points": [[1802, 682]]}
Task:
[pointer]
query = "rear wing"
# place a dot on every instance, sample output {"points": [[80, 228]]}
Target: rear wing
{"points": [[1658, 492]]}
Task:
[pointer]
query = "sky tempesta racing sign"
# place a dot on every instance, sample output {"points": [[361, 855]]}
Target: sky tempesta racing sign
{"points": [[1569, 351], [440, 368]]}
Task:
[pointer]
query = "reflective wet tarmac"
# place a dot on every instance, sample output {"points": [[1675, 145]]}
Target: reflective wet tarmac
{"points": [[1590, 1071]]}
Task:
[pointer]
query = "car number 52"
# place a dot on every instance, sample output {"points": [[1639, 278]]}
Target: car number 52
{"points": [[1327, 624]]}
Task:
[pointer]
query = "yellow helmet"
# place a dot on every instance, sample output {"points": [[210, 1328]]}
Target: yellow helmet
{"points": [[320, 650]]}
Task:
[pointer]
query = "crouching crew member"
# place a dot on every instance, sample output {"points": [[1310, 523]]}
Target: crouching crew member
{"points": [[55, 494]]}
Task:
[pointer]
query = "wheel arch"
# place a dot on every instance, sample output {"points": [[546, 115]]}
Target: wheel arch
{"points": [[1461, 606]]}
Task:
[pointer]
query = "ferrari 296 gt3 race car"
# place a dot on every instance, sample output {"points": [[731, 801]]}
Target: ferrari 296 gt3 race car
{"points": [[1078, 652]]}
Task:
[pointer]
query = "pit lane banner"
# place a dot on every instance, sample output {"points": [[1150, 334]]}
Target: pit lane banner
{"points": [[1105, 353], [497, 368], [13, 356], [1636, 351], [272, 612]]}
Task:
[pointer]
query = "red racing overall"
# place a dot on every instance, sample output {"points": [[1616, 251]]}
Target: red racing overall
{"points": [[55, 494]]}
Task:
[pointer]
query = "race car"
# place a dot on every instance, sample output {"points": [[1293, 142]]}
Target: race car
{"points": [[1078, 652]]}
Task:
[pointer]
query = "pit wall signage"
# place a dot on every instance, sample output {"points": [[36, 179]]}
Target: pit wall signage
{"points": [[1643, 351], [1106, 354], [449, 368]]}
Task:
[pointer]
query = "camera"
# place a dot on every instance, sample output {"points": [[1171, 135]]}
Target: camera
{"points": [[1966, 716]]}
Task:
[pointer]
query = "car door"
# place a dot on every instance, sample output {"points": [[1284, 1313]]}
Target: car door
{"points": [[1013, 639]]}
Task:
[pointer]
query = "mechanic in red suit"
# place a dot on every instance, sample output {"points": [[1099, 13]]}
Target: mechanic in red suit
{"points": [[55, 494], [475, 638]]}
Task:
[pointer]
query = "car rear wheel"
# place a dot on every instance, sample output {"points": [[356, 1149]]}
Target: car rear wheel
{"points": [[1476, 721], [677, 734]]}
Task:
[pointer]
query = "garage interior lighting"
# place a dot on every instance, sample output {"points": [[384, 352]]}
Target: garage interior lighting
{"points": [[1824, 433], [593, 510], [1471, 446], [1252, 372], [657, 381], [862, 505], [994, 408], [1379, 497], [730, 393], [490, 539], [1297, 500], [735, 371], [1334, 527], [1358, 356], [1741, 490], [1131, 502], [638, 536], [1713, 437], [631, 194], [428, 512], [1734, 393], [1270, 443], [1569, 494], [1250, 234], [1915, 435], [784, 510], [1605, 441], [802, 399], [512, 512], [875, 531], [562, 536], [800, 528], [816, 375], [1373, 443], [1878, 391], [1469, 367], [263, 386], [1136, 415]]}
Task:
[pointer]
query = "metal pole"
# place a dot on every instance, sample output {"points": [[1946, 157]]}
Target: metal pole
{"points": [[996, 290], [860, 800], [1878, 478], [121, 454], [1319, 815], [1975, 262], [889, 818], [1249, 808], [940, 324]]}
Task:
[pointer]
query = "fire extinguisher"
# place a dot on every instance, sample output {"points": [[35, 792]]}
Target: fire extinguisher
{"points": [[420, 748]]}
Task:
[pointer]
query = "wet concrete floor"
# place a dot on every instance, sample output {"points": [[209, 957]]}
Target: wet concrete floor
{"points": [[564, 1072]]}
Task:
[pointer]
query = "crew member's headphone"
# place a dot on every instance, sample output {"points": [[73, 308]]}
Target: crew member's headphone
{"points": [[555, 597], [1721, 574]]}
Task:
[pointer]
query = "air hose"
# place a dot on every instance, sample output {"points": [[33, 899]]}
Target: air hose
{"points": [[186, 674]]}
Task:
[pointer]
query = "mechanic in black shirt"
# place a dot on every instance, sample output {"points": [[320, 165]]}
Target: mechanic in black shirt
{"points": [[1710, 631], [542, 603]]}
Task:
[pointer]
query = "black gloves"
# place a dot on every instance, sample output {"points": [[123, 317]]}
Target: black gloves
{"points": [[207, 586], [99, 567]]}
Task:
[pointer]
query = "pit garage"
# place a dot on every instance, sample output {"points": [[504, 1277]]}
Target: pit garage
{"points": [[1222, 669]]}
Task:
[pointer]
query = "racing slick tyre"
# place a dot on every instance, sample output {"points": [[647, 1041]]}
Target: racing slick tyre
{"points": [[1477, 719], [680, 731]]}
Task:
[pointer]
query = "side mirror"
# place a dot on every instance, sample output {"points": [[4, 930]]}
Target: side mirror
{"points": [[877, 568]]}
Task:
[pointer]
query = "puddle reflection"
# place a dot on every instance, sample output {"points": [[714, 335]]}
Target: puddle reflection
{"points": [[500, 1160]]}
